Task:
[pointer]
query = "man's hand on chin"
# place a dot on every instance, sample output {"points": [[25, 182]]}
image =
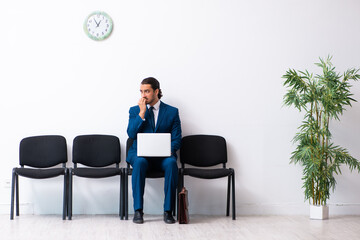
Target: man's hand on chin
{"points": [[142, 105]]}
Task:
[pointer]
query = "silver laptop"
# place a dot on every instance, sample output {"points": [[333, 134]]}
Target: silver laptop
{"points": [[154, 144]]}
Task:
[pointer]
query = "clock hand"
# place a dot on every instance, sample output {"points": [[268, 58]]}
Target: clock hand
{"points": [[96, 22]]}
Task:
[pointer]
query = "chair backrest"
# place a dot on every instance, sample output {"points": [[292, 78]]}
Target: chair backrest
{"points": [[129, 143], [43, 151], [96, 150], [203, 150]]}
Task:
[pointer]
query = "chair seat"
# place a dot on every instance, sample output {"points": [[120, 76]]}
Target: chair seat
{"points": [[150, 173], [40, 173], [155, 174], [208, 173], [96, 172]]}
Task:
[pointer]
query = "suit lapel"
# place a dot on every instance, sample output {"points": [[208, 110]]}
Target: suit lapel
{"points": [[161, 115]]}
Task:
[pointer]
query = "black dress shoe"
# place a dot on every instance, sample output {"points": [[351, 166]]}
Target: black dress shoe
{"points": [[138, 217], [168, 217]]}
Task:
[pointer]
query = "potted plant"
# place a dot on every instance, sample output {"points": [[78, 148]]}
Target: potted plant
{"points": [[322, 98]]}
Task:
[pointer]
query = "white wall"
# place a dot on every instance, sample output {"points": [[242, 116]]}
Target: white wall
{"points": [[220, 62]]}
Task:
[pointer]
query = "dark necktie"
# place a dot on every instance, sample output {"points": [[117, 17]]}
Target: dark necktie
{"points": [[151, 113]]}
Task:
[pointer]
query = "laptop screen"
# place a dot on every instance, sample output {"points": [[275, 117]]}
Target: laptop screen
{"points": [[154, 144]]}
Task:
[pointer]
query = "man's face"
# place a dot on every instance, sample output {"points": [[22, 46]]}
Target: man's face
{"points": [[149, 94]]}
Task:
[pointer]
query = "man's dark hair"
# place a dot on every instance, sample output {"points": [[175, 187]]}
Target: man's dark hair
{"points": [[154, 84]]}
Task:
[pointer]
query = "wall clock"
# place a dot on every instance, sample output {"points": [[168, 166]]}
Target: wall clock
{"points": [[98, 26]]}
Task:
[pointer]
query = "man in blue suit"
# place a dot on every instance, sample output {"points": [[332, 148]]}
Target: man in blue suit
{"points": [[153, 116]]}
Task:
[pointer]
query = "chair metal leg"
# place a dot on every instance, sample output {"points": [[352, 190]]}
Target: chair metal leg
{"points": [[121, 203], [65, 196], [17, 194], [67, 191], [180, 186], [12, 195], [177, 202], [174, 204], [70, 195], [228, 197], [233, 196], [126, 197]]}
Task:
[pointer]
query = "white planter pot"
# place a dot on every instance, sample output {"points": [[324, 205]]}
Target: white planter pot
{"points": [[319, 212]]}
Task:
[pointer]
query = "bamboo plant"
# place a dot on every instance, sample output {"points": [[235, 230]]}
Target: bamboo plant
{"points": [[322, 97]]}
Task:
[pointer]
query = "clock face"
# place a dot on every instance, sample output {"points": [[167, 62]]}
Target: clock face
{"points": [[98, 26]]}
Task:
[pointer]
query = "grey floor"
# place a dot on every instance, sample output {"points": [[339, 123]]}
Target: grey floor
{"points": [[52, 227]]}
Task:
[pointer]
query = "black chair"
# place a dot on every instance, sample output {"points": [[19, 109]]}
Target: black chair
{"points": [[42, 154], [128, 171], [96, 153], [204, 151]]}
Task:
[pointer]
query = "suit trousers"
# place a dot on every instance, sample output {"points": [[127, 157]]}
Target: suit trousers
{"points": [[141, 165]]}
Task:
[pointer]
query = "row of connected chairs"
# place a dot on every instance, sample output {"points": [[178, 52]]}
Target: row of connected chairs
{"points": [[43, 154], [98, 153]]}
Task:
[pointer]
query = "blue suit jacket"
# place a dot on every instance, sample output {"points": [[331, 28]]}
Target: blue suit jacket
{"points": [[168, 122]]}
